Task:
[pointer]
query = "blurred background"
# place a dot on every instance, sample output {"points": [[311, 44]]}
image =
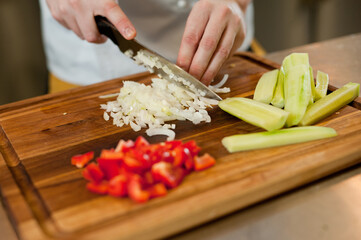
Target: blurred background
{"points": [[279, 24]]}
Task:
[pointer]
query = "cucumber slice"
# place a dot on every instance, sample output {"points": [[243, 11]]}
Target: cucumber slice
{"points": [[266, 86], [254, 112], [297, 90], [313, 88], [330, 103], [278, 97], [321, 85], [295, 59], [243, 142]]}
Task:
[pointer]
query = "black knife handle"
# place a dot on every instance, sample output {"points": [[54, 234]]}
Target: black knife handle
{"points": [[106, 28]]}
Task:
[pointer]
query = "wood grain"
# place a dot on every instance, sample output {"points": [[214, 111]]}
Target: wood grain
{"points": [[46, 197]]}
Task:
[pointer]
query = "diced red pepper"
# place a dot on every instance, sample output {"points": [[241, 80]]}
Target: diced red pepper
{"points": [[148, 179], [157, 190], [93, 173], [182, 156], [118, 186], [141, 142], [135, 190], [168, 174], [132, 164], [81, 160], [203, 162], [99, 188], [124, 146], [110, 167], [141, 170], [192, 147], [111, 154], [170, 145]]}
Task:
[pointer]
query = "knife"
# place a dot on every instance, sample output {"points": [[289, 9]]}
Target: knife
{"points": [[191, 83]]}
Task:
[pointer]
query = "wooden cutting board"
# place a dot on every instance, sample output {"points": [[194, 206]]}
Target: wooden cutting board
{"points": [[46, 197]]}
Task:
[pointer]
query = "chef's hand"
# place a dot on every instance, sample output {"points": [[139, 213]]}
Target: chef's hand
{"points": [[215, 29], [78, 16]]}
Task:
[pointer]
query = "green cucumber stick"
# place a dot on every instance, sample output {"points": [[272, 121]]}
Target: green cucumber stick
{"points": [[266, 86], [243, 142], [321, 85], [330, 103], [297, 92], [295, 59], [256, 113], [313, 89], [278, 96]]}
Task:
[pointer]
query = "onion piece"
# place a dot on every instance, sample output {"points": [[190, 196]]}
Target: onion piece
{"points": [[161, 131], [222, 82], [109, 95]]}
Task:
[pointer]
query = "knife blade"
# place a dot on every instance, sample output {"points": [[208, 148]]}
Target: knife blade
{"points": [[170, 72]]}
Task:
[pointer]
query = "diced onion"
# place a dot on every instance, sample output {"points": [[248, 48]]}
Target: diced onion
{"points": [[151, 106], [161, 131], [109, 95], [222, 82], [217, 88]]}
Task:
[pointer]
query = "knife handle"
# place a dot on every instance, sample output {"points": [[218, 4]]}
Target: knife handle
{"points": [[106, 28]]}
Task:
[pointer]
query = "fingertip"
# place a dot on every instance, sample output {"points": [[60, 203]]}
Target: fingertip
{"points": [[129, 33]]}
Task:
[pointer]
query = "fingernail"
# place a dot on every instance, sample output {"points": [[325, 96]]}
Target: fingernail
{"points": [[129, 32]]}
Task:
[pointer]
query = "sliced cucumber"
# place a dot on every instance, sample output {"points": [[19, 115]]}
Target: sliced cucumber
{"points": [[278, 96], [321, 85], [295, 59], [313, 88], [243, 142], [297, 90], [266, 86], [330, 103], [254, 112]]}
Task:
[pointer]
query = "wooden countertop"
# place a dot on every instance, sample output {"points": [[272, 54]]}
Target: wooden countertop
{"points": [[316, 205]]}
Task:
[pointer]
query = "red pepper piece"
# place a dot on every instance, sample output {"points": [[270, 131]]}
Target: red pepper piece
{"points": [[182, 156], [168, 174], [131, 164], [118, 186], [99, 188], [124, 146], [110, 167], [93, 173], [192, 147], [135, 190], [141, 142], [203, 162], [170, 145], [157, 190], [148, 179], [111, 154], [81, 160]]}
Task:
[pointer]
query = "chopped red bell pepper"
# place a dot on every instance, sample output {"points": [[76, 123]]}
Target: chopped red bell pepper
{"points": [[135, 190], [110, 167], [124, 146], [203, 162], [111, 154], [99, 188], [118, 186], [141, 142], [192, 147], [141, 170], [168, 174], [81, 160], [157, 190], [93, 173]]}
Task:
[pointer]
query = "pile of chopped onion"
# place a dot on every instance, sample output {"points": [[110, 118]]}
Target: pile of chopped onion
{"points": [[151, 106]]}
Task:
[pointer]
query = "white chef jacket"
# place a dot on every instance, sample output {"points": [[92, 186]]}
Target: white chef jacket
{"points": [[159, 24]]}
